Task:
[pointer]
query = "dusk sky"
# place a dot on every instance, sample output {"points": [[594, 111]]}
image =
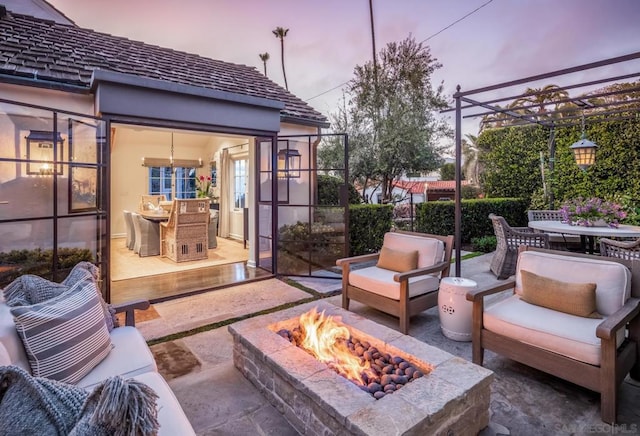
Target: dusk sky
{"points": [[504, 40]]}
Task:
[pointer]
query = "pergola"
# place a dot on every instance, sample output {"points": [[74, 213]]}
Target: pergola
{"points": [[574, 112]]}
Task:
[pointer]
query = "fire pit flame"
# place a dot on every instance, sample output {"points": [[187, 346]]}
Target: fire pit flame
{"points": [[325, 337]]}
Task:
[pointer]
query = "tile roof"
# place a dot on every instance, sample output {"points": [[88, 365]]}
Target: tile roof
{"points": [[444, 185], [35, 48], [413, 187]]}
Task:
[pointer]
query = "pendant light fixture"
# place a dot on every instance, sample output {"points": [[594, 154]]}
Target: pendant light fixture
{"points": [[584, 151]]}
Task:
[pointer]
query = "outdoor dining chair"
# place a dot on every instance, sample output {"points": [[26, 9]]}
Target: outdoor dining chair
{"points": [[620, 249], [508, 239], [557, 241]]}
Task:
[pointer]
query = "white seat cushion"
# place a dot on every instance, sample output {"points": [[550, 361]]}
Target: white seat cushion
{"points": [[568, 335], [129, 357], [613, 280], [171, 417], [10, 339], [380, 281], [430, 250]]}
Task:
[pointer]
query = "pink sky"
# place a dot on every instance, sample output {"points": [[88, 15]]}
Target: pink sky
{"points": [[505, 40]]}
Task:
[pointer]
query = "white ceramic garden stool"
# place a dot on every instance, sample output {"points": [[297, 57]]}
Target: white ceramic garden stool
{"points": [[455, 311]]}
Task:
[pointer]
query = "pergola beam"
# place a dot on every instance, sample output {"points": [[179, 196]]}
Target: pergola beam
{"points": [[460, 96]]}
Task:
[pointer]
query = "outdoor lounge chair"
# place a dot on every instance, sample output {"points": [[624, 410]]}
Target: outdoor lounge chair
{"points": [[555, 330], [503, 263], [406, 278], [620, 249]]}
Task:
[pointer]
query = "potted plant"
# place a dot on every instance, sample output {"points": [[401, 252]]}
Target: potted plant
{"points": [[592, 212]]}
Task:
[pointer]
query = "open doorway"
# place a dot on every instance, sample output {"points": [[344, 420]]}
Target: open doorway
{"points": [[173, 164]]}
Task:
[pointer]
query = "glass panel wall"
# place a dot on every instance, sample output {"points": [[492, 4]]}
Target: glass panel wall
{"points": [[311, 208], [52, 208]]}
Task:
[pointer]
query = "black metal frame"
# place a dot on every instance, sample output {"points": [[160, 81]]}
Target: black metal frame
{"points": [[617, 109]]}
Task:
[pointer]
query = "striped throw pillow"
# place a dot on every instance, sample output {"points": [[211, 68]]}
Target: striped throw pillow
{"points": [[64, 337]]}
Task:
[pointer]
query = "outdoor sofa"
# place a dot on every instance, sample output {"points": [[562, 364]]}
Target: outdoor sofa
{"points": [[128, 357]]}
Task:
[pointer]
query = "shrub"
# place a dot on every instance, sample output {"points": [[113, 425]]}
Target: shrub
{"points": [[40, 262], [484, 244], [329, 188], [437, 217], [367, 225]]}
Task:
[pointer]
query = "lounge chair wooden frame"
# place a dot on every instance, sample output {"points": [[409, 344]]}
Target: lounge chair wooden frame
{"points": [[616, 362], [405, 307]]}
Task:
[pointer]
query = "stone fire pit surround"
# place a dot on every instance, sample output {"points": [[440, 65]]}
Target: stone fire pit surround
{"points": [[452, 399]]}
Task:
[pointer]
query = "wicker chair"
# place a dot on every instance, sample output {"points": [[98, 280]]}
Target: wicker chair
{"points": [[557, 241], [151, 200], [620, 249], [186, 235], [503, 263]]}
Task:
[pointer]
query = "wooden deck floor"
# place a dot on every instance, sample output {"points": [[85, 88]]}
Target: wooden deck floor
{"points": [[181, 283]]}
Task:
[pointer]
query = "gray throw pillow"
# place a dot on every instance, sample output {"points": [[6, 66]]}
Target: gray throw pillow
{"points": [[64, 337], [30, 289]]}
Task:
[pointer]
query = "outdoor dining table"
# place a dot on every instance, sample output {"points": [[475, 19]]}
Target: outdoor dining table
{"points": [[587, 234]]}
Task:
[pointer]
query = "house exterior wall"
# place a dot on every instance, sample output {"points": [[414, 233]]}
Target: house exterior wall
{"points": [[82, 103]]}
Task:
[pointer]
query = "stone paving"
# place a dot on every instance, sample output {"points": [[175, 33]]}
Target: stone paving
{"points": [[218, 400]]}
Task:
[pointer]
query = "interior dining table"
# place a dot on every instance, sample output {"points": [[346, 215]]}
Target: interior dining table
{"points": [[587, 234], [155, 215]]}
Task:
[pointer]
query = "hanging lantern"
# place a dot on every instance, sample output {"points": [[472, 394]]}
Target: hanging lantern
{"points": [[584, 151]]}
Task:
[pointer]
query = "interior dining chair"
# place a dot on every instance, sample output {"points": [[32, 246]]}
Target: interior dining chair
{"points": [[128, 222], [147, 236]]}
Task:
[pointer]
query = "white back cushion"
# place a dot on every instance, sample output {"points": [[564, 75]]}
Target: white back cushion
{"points": [[613, 280], [5, 360], [430, 250]]}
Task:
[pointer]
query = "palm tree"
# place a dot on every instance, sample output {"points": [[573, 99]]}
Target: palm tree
{"points": [[541, 97], [264, 57], [470, 153], [281, 33]]}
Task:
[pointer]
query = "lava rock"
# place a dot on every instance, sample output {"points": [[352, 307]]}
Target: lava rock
{"points": [[399, 379], [374, 387], [385, 379]]}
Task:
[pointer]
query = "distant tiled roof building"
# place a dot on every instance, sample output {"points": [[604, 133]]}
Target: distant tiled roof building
{"points": [[50, 54], [442, 189]]}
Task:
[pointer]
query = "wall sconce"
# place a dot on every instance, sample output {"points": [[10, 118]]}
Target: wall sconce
{"points": [[584, 151], [289, 163], [40, 148]]}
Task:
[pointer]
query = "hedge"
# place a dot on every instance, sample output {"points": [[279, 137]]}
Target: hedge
{"points": [[367, 225], [438, 217]]}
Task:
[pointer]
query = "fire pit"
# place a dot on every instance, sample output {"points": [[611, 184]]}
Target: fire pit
{"points": [[327, 339], [452, 397]]}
